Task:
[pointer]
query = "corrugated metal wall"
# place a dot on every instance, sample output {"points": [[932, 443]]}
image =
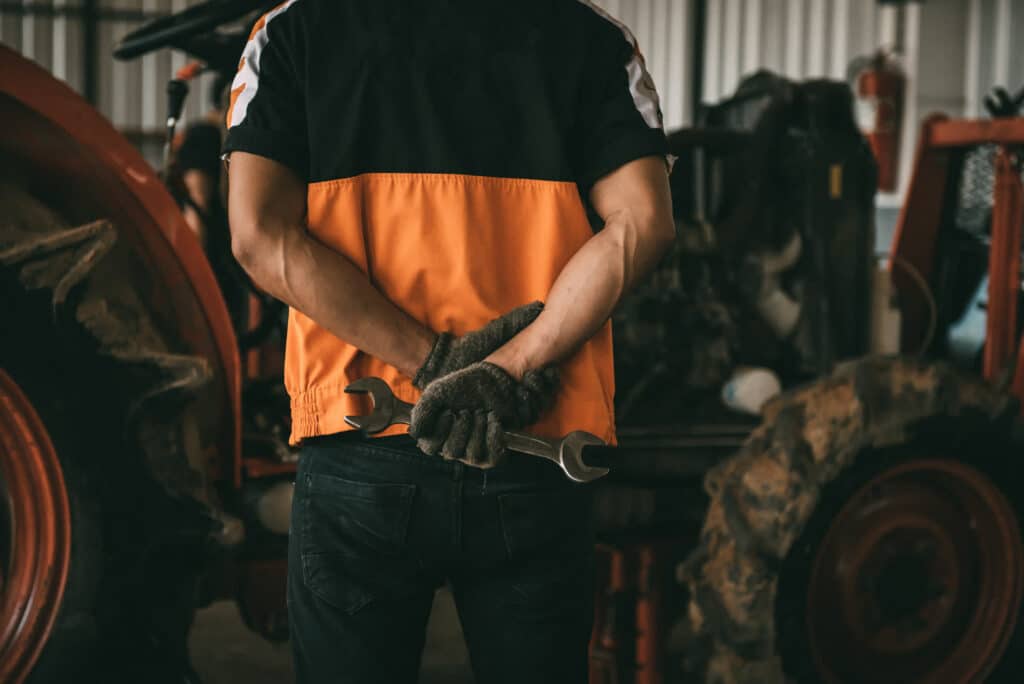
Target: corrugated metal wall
{"points": [[797, 38], [663, 29], [964, 47], [53, 41], [993, 58], [131, 94]]}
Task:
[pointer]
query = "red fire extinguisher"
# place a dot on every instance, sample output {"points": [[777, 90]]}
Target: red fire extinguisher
{"points": [[879, 84]]}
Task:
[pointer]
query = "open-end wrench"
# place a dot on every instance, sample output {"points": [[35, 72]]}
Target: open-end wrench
{"points": [[567, 452]]}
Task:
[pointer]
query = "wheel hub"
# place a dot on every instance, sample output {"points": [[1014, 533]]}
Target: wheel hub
{"points": [[919, 579], [907, 587], [38, 537]]}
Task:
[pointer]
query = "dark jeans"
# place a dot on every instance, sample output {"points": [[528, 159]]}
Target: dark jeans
{"points": [[377, 526]]}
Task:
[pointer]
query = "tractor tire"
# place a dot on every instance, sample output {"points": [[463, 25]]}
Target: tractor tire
{"points": [[114, 400], [868, 531], [70, 648]]}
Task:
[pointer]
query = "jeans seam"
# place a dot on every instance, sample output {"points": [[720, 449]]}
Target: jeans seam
{"points": [[304, 502], [385, 452], [404, 490], [458, 472]]}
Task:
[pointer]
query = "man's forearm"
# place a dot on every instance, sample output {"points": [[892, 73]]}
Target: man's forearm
{"points": [[635, 201], [328, 288], [267, 207], [586, 292]]}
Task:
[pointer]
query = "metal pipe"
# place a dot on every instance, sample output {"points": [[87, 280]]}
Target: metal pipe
{"points": [[90, 51]]}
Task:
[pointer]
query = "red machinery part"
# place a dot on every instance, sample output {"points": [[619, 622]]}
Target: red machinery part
{"points": [[879, 89], [65, 148], [629, 633], [917, 233], [1004, 266], [650, 627], [606, 647], [919, 578], [39, 549]]}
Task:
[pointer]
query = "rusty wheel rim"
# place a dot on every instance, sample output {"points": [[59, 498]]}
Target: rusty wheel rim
{"points": [[38, 517], [919, 579]]}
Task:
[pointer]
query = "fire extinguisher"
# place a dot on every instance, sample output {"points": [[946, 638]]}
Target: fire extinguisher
{"points": [[879, 84]]}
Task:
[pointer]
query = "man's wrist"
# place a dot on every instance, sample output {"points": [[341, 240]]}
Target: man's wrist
{"points": [[421, 347], [511, 359]]}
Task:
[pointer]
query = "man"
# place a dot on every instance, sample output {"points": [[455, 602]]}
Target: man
{"points": [[402, 173]]}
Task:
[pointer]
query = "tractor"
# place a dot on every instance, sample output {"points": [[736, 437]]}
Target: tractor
{"points": [[864, 528]]}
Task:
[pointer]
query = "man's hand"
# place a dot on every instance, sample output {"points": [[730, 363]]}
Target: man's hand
{"points": [[461, 420], [450, 353], [463, 415]]}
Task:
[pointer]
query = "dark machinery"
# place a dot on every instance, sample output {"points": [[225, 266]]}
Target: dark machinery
{"points": [[870, 529]]}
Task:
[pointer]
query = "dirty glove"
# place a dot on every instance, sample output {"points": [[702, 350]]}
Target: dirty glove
{"points": [[463, 415], [451, 353]]}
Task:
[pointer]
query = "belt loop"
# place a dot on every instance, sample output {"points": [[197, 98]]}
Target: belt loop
{"points": [[483, 488]]}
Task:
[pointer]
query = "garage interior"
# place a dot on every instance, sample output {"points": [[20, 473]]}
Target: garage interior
{"points": [[818, 389]]}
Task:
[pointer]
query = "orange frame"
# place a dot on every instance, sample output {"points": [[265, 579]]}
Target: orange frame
{"points": [[920, 221]]}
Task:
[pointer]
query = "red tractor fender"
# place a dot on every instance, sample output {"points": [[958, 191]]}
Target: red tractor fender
{"points": [[67, 149]]}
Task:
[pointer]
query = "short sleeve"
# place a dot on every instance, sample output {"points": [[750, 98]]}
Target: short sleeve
{"points": [[620, 114], [266, 115]]}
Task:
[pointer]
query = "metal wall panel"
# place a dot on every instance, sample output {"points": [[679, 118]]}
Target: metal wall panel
{"points": [[992, 58], [663, 30], [50, 39], [799, 39], [131, 94]]}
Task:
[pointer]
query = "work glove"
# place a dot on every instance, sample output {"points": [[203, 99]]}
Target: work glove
{"points": [[463, 415], [451, 353]]}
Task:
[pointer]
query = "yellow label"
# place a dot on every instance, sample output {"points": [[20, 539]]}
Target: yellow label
{"points": [[835, 181]]}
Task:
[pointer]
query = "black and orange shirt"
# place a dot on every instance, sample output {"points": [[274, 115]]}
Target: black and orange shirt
{"points": [[448, 147]]}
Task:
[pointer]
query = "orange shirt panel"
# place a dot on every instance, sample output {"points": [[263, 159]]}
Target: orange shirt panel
{"points": [[454, 252]]}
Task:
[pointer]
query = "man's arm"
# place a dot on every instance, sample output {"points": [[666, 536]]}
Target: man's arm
{"points": [[636, 205], [266, 208]]}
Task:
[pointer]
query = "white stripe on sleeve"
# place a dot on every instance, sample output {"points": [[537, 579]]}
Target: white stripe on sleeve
{"points": [[248, 75], [641, 85]]}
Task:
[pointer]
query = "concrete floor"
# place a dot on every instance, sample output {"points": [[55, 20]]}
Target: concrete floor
{"points": [[224, 651]]}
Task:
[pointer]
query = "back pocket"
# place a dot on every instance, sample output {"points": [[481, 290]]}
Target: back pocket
{"points": [[541, 520], [353, 538], [549, 541]]}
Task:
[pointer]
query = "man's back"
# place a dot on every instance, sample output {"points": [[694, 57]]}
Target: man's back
{"points": [[446, 145], [407, 176], [482, 87]]}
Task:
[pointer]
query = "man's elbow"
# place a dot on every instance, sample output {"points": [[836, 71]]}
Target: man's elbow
{"points": [[251, 245], [244, 248]]}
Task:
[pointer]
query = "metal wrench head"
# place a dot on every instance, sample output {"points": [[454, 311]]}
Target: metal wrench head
{"points": [[384, 404], [570, 456]]}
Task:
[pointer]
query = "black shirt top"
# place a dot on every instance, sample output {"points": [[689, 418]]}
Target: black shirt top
{"points": [[542, 89]]}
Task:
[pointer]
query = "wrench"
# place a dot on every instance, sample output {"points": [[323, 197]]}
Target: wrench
{"points": [[567, 452]]}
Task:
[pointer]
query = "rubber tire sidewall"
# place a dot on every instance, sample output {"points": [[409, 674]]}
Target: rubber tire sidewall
{"points": [[991, 452]]}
